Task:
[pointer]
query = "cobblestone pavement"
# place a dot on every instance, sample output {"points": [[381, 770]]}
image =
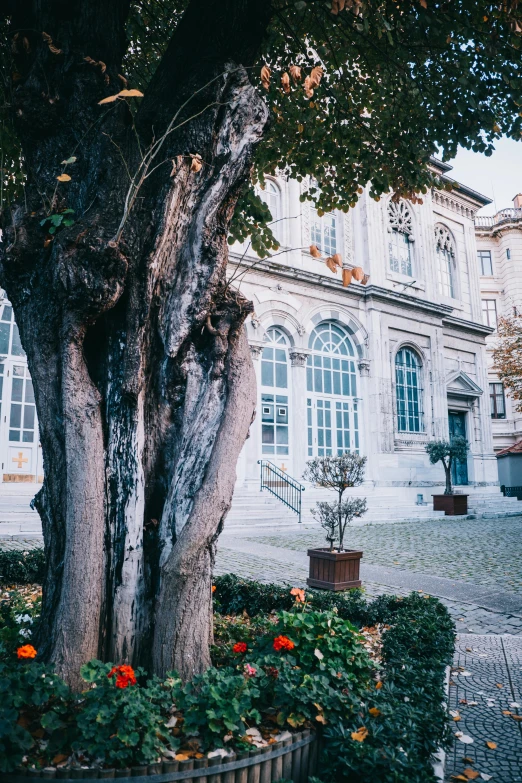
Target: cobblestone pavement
{"points": [[485, 695], [468, 616], [481, 551]]}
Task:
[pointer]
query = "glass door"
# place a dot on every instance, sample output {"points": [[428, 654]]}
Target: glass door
{"points": [[20, 450], [457, 428], [333, 426]]}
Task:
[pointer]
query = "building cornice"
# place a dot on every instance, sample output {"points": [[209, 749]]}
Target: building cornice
{"points": [[355, 290], [467, 326]]}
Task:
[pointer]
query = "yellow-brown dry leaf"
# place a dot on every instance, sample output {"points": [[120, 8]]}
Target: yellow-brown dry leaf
{"points": [[457, 718], [308, 88], [314, 251], [374, 712], [335, 7], [59, 758], [517, 717], [332, 266], [471, 774], [423, 3], [337, 259], [181, 757], [130, 94], [63, 178], [360, 735], [320, 718], [499, 685], [491, 745], [468, 760], [358, 273], [197, 163], [378, 685], [295, 73], [109, 99], [316, 74], [265, 76], [458, 777], [285, 81], [347, 277], [506, 712]]}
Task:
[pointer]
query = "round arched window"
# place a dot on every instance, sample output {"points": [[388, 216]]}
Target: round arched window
{"points": [[274, 393], [408, 382], [331, 382]]}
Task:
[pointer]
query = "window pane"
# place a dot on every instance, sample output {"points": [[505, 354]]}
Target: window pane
{"points": [[15, 418], [29, 391], [281, 376], [28, 436], [16, 347], [4, 337], [267, 373], [17, 389], [28, 417], [14, 435], [7, 313]]}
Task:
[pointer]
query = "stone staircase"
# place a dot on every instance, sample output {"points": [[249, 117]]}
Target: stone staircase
{"points": [[253, 508]]}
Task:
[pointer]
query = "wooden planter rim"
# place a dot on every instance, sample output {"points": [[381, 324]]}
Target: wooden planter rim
{"points": [[348, 554], [214, 767]]}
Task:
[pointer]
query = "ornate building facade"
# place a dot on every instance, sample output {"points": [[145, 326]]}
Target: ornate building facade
{"points": [[499, 249], [383, 367]]}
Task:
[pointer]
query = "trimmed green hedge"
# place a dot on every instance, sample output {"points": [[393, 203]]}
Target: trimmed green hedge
{"points": [[21, 567], [412, 722]]}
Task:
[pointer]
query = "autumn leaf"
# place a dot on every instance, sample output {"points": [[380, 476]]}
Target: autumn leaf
{"points": [[458, 777], [295, 73], [332, 266], [308, 89], [360, 735], [265, 77], [314, 251], [49, 41], [59, 758], [320, 719], [285, 81], [491, 745], [181, 757], [316, 74], [63, 178], [337, 259], [471, 774], [109, 99], [378, 685], [358, 273], [197, 163], [499, 685], [374, 712], [130, 94], [347, 277]]}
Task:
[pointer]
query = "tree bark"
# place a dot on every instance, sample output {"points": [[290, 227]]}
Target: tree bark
{"points": [[136, 345]]}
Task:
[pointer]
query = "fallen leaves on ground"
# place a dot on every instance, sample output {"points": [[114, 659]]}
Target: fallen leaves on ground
{"points": [[491, 745]]}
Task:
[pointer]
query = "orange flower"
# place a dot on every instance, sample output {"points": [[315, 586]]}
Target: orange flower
{"points": [[124, 675], [239, 647], [299, 595], [213, 588], [283, 643], [27, 651]]}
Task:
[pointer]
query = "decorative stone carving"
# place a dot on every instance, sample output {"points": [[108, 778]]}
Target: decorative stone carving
{"points": [[298, 358], [444, 240], [255, 321], [348, 240], [364, 367], [301, 330], [256, 351], [400, 218]]}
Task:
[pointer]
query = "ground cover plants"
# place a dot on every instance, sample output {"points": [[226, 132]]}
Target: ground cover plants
{"points": [[367, 675]]}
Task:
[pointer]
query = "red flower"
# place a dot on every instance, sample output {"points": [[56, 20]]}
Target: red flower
{"points": [[27, 651], [239, 647], [283, 643], [124, 676]]}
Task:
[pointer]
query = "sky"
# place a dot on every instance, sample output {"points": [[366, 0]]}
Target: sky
{"points": [[499, 177]]}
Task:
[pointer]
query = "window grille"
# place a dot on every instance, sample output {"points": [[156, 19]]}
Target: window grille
{"points": [[409, 391], [446, 261]]}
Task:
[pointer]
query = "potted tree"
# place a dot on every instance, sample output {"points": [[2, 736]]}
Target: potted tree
{"points": [[446, 452], [334, 567]]}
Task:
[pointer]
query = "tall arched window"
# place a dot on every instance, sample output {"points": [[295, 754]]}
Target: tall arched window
{"points": [[271, 195], [400, 233], [331, 382], [274, 394], [408, 382], [446, 261]]}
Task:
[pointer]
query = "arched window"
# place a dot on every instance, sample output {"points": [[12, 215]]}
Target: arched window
{"points": [[408, 381], [271, 195], [446, 261], [274, 393], [400, 232], [331, 382]]}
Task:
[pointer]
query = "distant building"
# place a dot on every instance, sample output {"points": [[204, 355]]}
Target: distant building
{"points": [[499, 260]]}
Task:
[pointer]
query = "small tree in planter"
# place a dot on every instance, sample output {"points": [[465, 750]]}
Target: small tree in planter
{"points": [[336, 568], [446, 452]]}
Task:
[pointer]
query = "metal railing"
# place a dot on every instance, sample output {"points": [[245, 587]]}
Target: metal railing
{"points": [[511, 492], [285, 488]]}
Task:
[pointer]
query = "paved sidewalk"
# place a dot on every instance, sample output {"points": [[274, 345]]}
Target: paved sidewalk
{"points": [[485, 696]]}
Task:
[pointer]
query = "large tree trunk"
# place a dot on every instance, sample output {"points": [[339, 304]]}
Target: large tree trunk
{"points": [[136, 345]]}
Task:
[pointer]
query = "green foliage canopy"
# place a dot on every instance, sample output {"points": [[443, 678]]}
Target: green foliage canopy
{"points": [[403, 80]]}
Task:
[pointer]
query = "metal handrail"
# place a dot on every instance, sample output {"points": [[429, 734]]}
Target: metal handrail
{"points": [[285, 488]]}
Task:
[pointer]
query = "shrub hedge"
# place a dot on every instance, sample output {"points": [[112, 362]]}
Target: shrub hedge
{"points": [[405, 719], [21, 567]]}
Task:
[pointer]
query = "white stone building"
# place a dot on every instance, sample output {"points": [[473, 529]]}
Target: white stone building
{"points": [[382, 367], [499, 246]]}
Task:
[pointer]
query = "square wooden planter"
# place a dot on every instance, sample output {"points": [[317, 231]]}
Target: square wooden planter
{"points": [[334, 570], [452, 505]]}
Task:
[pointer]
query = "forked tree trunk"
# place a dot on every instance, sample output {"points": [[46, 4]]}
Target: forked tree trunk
{"points": [[136, 346]]}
